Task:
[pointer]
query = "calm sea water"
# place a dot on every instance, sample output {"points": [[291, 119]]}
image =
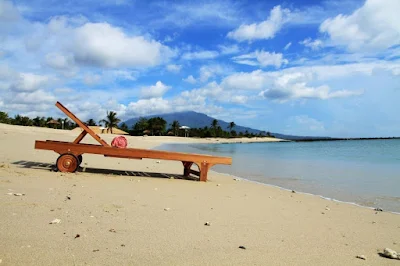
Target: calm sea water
{"points": [[366, 172]]}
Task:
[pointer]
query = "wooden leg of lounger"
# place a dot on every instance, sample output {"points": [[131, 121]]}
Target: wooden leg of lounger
{"points": [[186, 168], [203, 171]]}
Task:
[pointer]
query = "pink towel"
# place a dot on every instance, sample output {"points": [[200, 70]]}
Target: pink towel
{"points": [[119, 142]]}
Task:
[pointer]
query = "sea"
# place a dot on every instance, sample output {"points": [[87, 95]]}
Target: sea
{"points": [[362, 172]]}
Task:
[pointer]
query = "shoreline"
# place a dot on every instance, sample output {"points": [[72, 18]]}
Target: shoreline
{"points": [[300, 192]]}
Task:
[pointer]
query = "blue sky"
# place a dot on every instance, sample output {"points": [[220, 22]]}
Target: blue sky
{"points": [[318, 68]]}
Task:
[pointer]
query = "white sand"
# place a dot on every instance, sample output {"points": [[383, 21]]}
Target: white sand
{"points": [[121, 219]]}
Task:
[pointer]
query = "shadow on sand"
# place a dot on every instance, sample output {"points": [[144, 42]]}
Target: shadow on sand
{"points": [[52, 167]]}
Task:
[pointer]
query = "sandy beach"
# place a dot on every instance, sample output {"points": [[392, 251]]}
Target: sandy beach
{"points": [[129, 212]]}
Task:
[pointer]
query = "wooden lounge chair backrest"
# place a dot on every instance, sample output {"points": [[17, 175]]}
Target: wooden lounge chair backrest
{"points": [[85, 128]]}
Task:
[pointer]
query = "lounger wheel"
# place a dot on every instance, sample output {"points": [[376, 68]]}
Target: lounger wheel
{"points": [[80, 159], [67, 163]]}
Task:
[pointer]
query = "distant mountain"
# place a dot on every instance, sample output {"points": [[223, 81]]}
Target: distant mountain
{"points": [[199, 120]]}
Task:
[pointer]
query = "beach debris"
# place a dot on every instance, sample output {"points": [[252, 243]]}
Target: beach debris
{"points": [[68, 198], [378, 210], [390, 253], [15, 194], [55, 221], [361, 257], [158, 161], [112, 230], [207, 223], [293, 191], [95, 250], [236, 179], [167, 209], [77, 235], [242, 247]]}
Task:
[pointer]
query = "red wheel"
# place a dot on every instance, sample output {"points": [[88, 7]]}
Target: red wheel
{"points": [[67, 163]]}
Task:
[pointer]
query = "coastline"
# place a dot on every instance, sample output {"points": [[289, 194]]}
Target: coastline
{"points": [[141, 220]]}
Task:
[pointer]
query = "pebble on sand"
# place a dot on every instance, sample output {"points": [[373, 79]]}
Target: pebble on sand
{"points": [[242, 247], [55, 221], [391, 254], [207, 223], [361, 257]]}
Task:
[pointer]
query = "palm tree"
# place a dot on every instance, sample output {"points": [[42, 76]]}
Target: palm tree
{"points": [[111, 121], [91, 122], [175, 126], [231, 126], [214, 125]]}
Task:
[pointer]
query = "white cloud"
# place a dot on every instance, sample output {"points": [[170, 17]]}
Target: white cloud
{"points": [[213, 92], [374, 26], [149, 106], [210, 71], [294, 86], [190, 79], [200, 55], [232, 49], [174, 68], [261, 58], [155, 91], [8, 12], [314, 45], [102, 45], [256, 80], [91, 79], [59, 61], [263, 30], [29, 82], [38, 96], [287, 46]]}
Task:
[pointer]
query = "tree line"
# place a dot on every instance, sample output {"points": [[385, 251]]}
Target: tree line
{"points": [[156, 126]]}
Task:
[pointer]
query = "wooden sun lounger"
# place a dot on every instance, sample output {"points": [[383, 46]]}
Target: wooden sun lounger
{"points": [[71, 152]]}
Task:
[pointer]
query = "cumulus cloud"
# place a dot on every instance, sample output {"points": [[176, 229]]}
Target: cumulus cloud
{"points": [[59, 61], [102, 45], [263, 30], [294, 86], [376, 25], [232, 49], [155, 91], [261, 58], [29, 82], [314, 45], [190, 79], [91, 79], [174, 68], [8, 12], [200, 55]]}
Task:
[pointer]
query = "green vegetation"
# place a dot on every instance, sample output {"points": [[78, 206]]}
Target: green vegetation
{"points": [[111, 121], [156, 126]]}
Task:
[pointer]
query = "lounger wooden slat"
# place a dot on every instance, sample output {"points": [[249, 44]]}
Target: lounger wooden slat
{"points": [[71, 152]]}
